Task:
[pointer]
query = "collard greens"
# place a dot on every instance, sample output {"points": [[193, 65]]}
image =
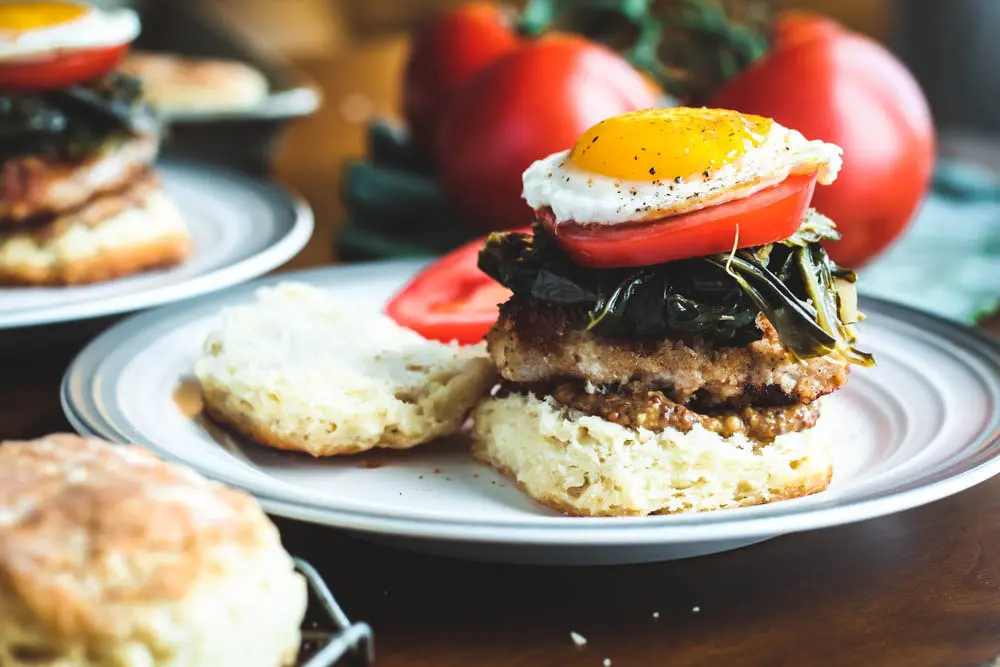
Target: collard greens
{"points": [[72, 122], [717, 297]]}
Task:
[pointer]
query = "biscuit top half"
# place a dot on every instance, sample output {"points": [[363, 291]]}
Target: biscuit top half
{"points": [[95, 537]]}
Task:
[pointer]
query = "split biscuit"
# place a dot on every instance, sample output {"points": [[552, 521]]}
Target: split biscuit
{"points": [[296, 370]]}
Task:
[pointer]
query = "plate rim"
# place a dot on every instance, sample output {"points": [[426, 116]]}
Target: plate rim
{"points": [[575, 531], [202, 284]]}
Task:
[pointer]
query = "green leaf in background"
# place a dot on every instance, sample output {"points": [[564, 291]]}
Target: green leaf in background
{"points": [[690, 47], [948, 262], [395, 205]]}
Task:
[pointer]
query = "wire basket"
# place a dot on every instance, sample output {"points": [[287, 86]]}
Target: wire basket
{"points": [[324, 647]]}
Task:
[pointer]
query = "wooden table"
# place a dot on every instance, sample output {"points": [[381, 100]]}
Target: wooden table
{"points": [[918, 589]]}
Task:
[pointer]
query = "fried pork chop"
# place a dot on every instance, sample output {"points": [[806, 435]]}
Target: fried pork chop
{"points": [[32, 186], [533, 343]]}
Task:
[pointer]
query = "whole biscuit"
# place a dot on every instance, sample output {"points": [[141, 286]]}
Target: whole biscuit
{"points": [[109, 556]]}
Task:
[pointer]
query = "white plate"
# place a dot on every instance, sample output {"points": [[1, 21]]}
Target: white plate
{"points": [[925, 426], [242, 228]]}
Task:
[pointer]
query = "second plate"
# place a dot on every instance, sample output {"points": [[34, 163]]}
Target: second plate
{"points": [[924, 425]]}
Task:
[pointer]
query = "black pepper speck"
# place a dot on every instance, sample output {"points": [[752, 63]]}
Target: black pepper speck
{"points": [[652, 171]]}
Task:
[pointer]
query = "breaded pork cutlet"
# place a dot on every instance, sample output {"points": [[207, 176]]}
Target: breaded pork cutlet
{"points": [[33, 187], [533, 343], [117, 234]]}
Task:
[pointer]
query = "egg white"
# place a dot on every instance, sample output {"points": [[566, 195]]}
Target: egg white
{"points": [[95, 28], [581, 196]]}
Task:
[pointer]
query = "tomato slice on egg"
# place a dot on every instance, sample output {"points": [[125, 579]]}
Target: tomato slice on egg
{"points": [[451, 299], [768, 216], [52, 71]]}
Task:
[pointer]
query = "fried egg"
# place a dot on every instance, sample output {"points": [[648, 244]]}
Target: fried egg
{"points": [[656, 163], [36, 29]]}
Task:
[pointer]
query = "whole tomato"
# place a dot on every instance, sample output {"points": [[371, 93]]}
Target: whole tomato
{"points": [[532, 102], [841, 87], [444, 56]]}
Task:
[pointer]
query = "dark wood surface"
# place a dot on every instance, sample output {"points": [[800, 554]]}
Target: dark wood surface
{"points": [[918, 589]]}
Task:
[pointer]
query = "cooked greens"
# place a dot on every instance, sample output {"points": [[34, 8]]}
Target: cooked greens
{"points": [[72, 122], [718, 297], [690, 47]]}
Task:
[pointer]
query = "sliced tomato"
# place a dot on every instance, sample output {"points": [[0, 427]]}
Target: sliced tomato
{"points": [[451, 299], [767, 216], [60, 70]]}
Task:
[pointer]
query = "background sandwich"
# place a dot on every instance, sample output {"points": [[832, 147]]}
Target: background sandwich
{"points": [[80, 200]]}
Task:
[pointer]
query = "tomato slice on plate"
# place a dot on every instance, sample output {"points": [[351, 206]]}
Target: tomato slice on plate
{"points": [[60, 70], [764, 217], [451, 299]]}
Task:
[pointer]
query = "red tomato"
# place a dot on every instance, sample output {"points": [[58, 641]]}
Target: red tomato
{"points": [[841, 87], [767, 216], [446, 55], [60, 70], [451, 299], [532, 102], [798, 26]]}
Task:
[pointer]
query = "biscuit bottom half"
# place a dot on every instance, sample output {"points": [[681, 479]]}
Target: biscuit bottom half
{"points": [[148, 234], [586, 466]]}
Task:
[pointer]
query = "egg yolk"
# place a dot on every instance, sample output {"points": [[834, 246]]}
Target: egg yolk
{"points": [[25, 16], [665, 144]]}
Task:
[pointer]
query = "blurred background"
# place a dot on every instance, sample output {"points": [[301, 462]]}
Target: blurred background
{"points": [[352, 53], [354, 50]]}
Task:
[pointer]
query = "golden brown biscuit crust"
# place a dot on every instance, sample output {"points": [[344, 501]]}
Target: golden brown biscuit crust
{"points": [[217, 407], [226, 409], [87, 530], [583, 465]]}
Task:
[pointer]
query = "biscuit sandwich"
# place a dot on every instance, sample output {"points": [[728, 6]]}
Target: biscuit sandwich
{"points": [[110, 557], [80, 199], [674, 321], [297, 370]]}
